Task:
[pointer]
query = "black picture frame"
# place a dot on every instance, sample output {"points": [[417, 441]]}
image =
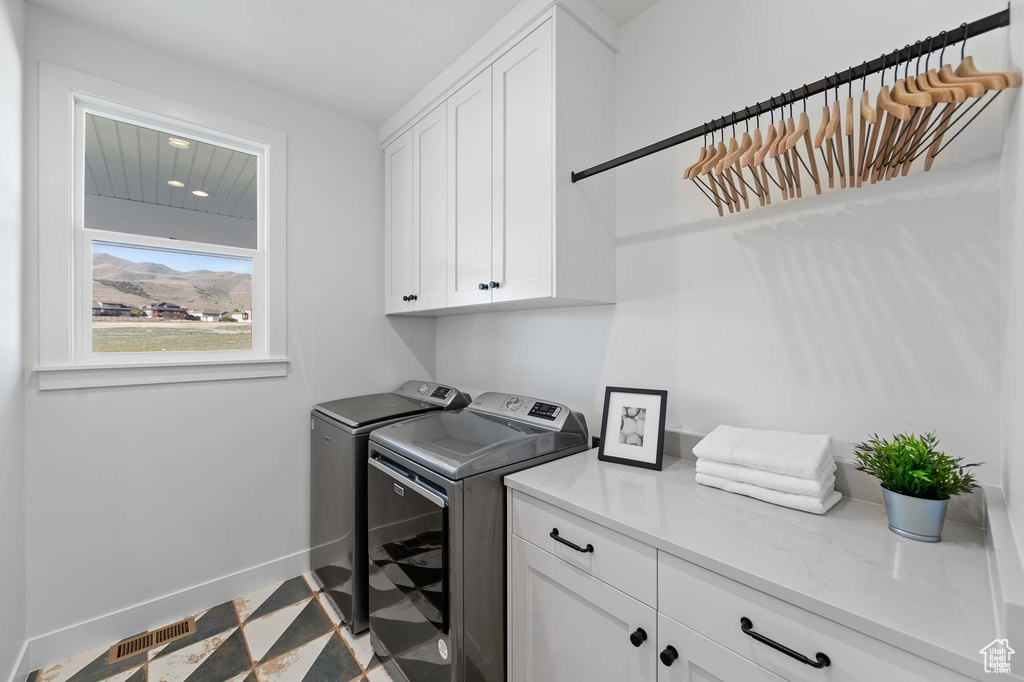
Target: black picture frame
{"points": [[657, 464]]}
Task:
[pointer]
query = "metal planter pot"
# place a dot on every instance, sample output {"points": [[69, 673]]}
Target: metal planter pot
{"points": [[915, 518]]}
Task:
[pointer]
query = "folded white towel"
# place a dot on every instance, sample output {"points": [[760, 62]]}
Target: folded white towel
{"points": [[819, 486], [814, 505], [792, 454]]}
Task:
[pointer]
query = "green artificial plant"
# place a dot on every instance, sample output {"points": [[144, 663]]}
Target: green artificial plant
{"points": [[913, 465]]}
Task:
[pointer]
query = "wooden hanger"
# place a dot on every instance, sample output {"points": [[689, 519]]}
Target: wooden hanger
{"points": [[868, 117], [949, 95], [705, 169], [694, 170], [918, 103], [747, 160], [835, 139], [966, 76], [851, 157], [762, 154], [968, 70], [746, 144], [732, 162], [802, 130], [894, 113], [773, 153], [710, 167], [791, 164], [724, 173], [820, 137]]}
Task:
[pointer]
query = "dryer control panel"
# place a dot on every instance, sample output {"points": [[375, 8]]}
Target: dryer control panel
{"points": [[434, 394], [533, 411]]}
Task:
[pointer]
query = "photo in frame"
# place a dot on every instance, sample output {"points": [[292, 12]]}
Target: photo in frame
{"points": [[633, 427]]}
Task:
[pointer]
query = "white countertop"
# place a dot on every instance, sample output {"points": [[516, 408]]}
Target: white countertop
{"points": [[934, 600]]}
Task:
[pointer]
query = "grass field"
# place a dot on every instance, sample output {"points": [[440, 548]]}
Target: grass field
{"points": [[143, 337]]}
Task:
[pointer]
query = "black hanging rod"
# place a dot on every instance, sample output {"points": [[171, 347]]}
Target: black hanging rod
{"points": [[989, 23]]}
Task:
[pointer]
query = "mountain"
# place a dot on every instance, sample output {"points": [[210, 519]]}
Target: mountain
{"points": [[124, 281]]}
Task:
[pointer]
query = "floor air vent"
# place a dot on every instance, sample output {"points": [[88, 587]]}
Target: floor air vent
{"points": [[151, 640]]}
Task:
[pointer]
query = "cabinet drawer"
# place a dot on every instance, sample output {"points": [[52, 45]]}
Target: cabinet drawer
{"points": [[713, 606], [701, 660], [620, 561]]}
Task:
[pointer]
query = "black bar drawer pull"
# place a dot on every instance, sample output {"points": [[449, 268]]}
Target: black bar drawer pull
{"points": [[559, 538], [821, 660]]}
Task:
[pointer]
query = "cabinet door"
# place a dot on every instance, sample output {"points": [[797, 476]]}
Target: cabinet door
{"points": [[701, 660], [569, 626], [469, 192], [523, 169], [430, 209], [398, 225]]}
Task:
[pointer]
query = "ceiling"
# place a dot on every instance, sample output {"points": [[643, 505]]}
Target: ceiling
{"points": [[622, 11], [126, 161], [366, 58]]}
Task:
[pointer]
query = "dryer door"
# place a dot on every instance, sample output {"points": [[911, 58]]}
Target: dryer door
{"points": [[408, 547]]}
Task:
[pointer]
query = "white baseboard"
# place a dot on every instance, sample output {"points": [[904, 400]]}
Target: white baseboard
{"points": [[108, 629], [21, 667]]}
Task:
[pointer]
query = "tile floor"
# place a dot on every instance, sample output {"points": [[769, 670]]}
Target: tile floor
{"points": [[287, 632]]}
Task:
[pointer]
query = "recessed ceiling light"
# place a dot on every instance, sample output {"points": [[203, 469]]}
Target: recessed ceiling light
{"points": [[175, 183], [178, 143], [200, 193]]}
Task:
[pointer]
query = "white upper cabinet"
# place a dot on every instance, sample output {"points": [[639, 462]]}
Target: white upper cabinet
{"points": [[398, 224], [430, 209], [523, 148], [518, 233], [469, 193]]}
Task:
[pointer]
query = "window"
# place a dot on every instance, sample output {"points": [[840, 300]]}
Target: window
{"points": [[138, 181], [176, 240]]}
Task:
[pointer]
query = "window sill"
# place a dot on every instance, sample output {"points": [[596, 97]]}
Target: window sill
{"points": [[94, 376]]}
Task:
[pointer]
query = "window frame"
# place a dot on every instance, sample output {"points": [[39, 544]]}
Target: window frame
{"points": [[66, 358]]}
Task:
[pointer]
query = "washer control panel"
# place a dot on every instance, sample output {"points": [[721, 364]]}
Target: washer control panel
{"points": [[522, 408], [429, 392]]}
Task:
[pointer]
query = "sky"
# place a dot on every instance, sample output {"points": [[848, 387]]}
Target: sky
{"points": [[182, 262]]}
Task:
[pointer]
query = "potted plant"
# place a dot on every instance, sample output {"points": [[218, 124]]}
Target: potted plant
{"points": [[917, 481]]}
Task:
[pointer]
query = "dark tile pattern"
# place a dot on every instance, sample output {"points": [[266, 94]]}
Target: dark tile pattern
{"points": [[229, 660], [334, 663], [337, 661], [310, 624], [290, 592]]}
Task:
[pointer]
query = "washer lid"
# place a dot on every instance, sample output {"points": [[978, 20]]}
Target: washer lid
{"points": [[465, 443], [368, 409]]}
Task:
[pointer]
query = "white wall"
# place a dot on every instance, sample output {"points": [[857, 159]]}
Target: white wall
{"points": [[1012, 252], [12, 393], [204, 480], [871, 310]]}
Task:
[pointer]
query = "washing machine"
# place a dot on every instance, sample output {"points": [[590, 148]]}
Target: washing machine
{"points": [[338, 454], [437, 532]]}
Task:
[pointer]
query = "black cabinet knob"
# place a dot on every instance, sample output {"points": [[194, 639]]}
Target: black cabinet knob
{"points": [[405, 298], [495, 285], [481, 286], [638, 637], [413, 297], [669, 655]]}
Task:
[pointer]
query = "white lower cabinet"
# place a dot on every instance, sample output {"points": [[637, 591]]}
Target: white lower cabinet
{"points": [[567, 625], [686, 656], [571, 619]]}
